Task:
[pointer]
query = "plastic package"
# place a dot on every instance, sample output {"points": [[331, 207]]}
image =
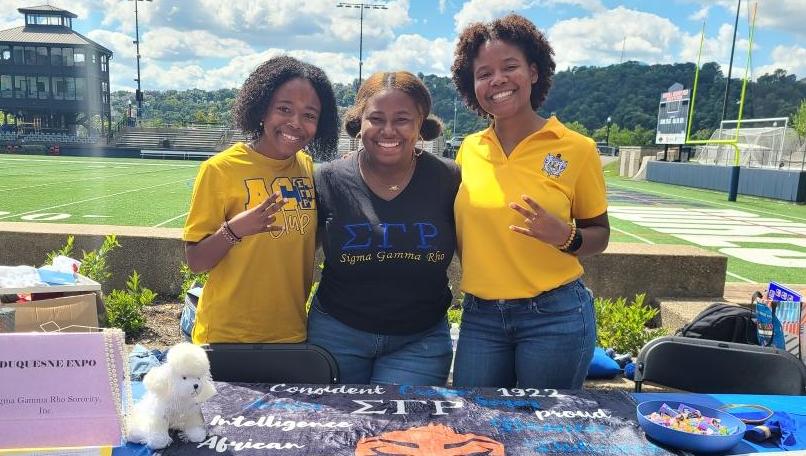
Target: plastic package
{"points": [[66, 264], [19, 277]]}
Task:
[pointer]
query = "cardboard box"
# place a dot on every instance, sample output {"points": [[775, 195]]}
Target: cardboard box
{"points": [[80, 310]]}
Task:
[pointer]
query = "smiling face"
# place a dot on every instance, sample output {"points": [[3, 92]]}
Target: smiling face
{"points": [[390, 126], [503, 79], [290, 120]]}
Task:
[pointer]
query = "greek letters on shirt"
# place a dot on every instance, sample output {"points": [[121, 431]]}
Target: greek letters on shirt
{"points": [[298, 211], [394, 241]]}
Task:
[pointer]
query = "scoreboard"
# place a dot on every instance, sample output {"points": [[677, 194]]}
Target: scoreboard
{"points": [[673, 116]]}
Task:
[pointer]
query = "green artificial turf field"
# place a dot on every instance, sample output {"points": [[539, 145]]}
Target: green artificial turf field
{"points": [[764, 239]]}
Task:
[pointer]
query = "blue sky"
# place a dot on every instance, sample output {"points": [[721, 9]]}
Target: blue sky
{"points": [[213, 44]]}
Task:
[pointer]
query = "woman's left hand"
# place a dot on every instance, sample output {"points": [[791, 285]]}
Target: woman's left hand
{"points": [[540, 224]]}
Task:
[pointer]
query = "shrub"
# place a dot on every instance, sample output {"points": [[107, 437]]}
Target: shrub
{"points": [[124, 308], [66, 250], [93, 263], [455, 309], [191, 279], [622, 326]]}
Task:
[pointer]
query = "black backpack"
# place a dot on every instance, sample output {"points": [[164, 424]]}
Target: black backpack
{"points": [[723, 322]]}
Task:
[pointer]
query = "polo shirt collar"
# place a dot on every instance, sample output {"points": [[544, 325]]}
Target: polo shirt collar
{"points": [[553, 128]]}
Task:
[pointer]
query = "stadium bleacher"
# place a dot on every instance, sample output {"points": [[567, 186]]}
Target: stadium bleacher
{"points": [[209, 139]]}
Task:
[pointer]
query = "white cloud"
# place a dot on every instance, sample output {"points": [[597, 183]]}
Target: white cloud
{"points": [[119, 43], [701, 14], [175, 45], [159, 75], [589, 5], [485, 11], [413, 53], [717, 49], [265, 23], [790, 58], [784, 15], [10, 17], [442, 6], [598, 39]]}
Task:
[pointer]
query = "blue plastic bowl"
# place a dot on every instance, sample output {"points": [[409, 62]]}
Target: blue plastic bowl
{"points": [[686, 440]]}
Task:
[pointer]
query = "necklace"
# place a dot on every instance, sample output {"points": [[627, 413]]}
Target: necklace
{"points": [[392, 187]]}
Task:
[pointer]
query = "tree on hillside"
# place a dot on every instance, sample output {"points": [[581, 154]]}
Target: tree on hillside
{"points": [[629, 93]]}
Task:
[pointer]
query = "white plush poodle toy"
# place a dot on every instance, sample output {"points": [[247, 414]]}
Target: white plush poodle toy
{"points": [[174, 391]]}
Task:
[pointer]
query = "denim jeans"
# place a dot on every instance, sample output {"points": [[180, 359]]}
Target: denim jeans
{"points": [[541, 342], [418, 359]]}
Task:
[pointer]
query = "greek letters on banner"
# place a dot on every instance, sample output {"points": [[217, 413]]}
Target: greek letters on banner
{"points": [[360, 420]]}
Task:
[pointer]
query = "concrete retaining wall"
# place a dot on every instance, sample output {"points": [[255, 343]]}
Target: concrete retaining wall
{"points": [[782, 184], [630, 158], [157, 253]]}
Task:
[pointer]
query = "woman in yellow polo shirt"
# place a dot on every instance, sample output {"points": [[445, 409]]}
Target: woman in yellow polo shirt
{"points": [[531, 202]]}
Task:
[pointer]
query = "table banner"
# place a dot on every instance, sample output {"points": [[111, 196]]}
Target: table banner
{"points": [[363, 420]]}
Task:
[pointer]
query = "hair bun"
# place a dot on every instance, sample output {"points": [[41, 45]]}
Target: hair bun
{"points": [[352, 124], [431, 128]]}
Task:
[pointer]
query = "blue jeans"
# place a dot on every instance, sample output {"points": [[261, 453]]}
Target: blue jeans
{"points": [[541, 342], [418, 359]]}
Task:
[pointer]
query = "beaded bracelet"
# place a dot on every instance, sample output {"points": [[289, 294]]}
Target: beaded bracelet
{"points": [[570, 237], [231, 238]]}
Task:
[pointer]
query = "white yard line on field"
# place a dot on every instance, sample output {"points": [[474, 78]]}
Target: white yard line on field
{"points": [[732, 206], [169, 220], [743, 279], [94, 199], [644, 240], [76, 180], [110, 163], [647, 241]]}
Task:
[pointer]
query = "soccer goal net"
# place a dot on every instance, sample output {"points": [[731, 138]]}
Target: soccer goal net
{"points": [[763, 143]]}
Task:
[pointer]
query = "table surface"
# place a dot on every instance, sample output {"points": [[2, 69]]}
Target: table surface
{"points": [[795, 405], [791, 404], [82, 284]]}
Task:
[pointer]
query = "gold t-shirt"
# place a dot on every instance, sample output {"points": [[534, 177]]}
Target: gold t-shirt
{"points": [[257, 292]]}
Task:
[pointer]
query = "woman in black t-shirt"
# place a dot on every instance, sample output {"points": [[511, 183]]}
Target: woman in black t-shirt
{"points": [[386, 213]]}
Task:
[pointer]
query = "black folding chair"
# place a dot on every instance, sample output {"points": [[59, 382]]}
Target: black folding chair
{"points": [[709, 366], [271, 363]]}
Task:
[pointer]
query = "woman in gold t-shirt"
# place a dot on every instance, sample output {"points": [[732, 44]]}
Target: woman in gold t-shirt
{"points": [[252, 221]]}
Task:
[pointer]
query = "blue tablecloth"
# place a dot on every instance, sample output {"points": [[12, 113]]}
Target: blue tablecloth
{"points": [[795, 405]]}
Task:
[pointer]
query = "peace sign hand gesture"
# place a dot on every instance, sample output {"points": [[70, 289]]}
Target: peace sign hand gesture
{"points": [[259, 219], [540, 224]]}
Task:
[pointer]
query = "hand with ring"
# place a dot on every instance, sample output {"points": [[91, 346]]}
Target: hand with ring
{"points": [[540, 224], [260, 218]]}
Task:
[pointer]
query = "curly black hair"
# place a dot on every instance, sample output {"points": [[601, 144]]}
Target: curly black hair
{"points": [[407, 83], [255, 95], [516, 30]]}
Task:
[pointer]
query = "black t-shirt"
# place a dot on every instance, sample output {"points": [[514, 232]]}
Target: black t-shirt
{"points": [[386, 261]]}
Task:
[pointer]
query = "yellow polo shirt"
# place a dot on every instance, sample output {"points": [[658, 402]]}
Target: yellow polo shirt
{"points": [[558, 168], [257, 292]]}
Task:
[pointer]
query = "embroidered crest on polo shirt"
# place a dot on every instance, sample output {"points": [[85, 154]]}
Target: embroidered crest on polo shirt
{"points": [[554, 165]]}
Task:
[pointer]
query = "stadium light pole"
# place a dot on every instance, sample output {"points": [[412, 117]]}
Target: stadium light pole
{"points": [[139, 94], [361, 6], [455, 99], [607, 134], [730, 65]]}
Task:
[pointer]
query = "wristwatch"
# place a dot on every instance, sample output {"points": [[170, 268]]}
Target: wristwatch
{"points": [[576, 242]]}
